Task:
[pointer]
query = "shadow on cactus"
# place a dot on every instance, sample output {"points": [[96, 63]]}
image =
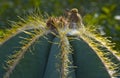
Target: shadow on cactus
{"points": [[59, 47]]}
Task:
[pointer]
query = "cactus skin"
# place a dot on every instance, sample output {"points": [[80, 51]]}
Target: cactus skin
{"points": [[34, 62], [30, 61], [87, 62], [8, 48], [52, 69], [41, 63]]}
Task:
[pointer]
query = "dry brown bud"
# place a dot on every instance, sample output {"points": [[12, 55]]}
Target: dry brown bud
{"points": [[50, 23], [74, 17], [58, 22]]}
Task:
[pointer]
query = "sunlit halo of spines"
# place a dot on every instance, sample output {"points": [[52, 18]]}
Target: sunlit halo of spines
{"points": [[32, 21], [90, 38]]}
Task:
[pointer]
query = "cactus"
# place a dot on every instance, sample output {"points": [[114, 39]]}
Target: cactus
{"points": [[51, 49]]}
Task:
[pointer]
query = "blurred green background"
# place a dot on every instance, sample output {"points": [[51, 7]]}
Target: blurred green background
{"points": [[104, 14]]}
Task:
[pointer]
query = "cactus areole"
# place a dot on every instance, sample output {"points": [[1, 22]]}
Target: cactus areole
{"points": [[57, 48]]}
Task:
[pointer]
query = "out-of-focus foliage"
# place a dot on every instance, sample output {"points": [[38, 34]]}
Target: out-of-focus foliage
{"points": [[100, 13]]}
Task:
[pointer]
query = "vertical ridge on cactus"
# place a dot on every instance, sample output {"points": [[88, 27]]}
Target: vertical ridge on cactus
{"points": [[65, 51], [84, 58], [102, 53], [21, 54], [34, 63]]}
